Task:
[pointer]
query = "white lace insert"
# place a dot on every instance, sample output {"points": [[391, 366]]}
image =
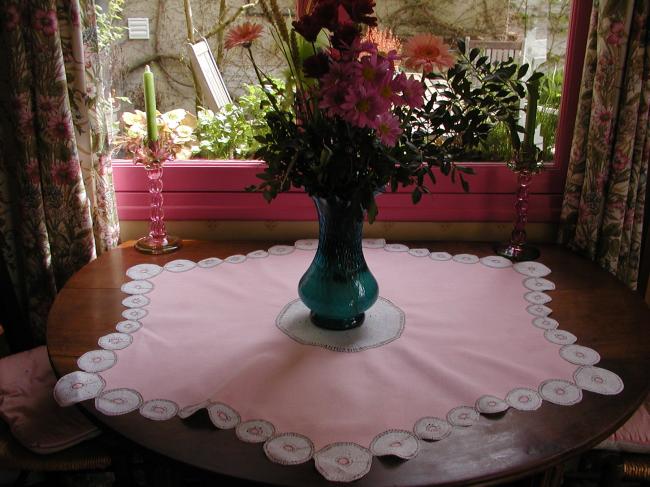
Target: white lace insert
{"points": [[384, 323]]}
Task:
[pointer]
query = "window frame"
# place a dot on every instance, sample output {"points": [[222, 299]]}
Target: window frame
{"points": [[214, 190]]}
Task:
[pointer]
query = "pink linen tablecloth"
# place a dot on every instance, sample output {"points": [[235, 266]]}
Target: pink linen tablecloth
{"points": [[474, 336]]}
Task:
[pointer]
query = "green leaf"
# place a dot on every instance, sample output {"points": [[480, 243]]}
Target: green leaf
{"points": [[416, 195], [372, 210]]}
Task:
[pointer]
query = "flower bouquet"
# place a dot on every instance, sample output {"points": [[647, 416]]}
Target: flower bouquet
{"points": [[357, 126]]}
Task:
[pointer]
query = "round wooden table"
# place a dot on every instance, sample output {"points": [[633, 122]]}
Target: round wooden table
{"points": [[588, 302]]}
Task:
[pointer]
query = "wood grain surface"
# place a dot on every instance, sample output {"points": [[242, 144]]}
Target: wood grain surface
{"points": [[588, 302]]}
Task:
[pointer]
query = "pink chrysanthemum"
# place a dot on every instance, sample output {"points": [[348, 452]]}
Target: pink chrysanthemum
{"points": [[390, 89], [413, 92], [426, 52], [362, 106], [373, 69], [387, 129], [243, 35]]}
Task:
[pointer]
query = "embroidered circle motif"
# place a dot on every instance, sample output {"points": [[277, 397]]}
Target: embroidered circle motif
{"points": [[579, 355], [128, 326], [398, 443], [384, 323], [143, 271], [598, 380], [490, 405], [396, 248], [222, 416], [254, 431], [235, 259], [209, 262], [466, 258], [496, 262], [307, 244], [180, 265], [289, 449], [137, 287], [159, 409], [537, 297], [134, 313], [343, 462], [136, 301], [539, 284], [419, 252], [432, 429], [532, 269], [281, 249], [524, 399], [258, 254], [560, 392], [76, 387], [115, 341], [462, 416], [441, 256], [118, 401], [539, 310], [373, 243], [545, 323], [97, 360], [560, 337]]}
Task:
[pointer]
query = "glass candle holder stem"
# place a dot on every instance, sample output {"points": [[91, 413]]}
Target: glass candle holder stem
{"points": [[157, 242], [518, 248]]}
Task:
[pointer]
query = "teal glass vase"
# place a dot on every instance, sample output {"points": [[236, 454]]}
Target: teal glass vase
{"points": [[338, 287]]}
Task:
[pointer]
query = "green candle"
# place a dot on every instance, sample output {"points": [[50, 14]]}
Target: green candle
{"points": [[150, 105], [531, 116]]}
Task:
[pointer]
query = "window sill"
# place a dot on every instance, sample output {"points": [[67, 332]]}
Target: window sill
{"points": [[214, 190]]}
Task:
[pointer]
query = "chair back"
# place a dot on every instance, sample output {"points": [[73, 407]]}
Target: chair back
{"points": [[497, 50]]}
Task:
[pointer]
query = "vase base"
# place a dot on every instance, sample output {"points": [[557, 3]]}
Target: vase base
{"points": [[152, 246], [517, 252], [337, 324]]}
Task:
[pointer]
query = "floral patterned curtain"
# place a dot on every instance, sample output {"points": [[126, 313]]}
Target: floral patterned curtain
{"points": [[57, 206], [602, 213]]}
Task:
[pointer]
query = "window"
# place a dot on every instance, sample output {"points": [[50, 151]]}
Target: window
{"points": [[211, 190]]}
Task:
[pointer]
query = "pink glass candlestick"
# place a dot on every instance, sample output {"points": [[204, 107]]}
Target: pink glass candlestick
{"points": [[157, 242], [517, 248]]}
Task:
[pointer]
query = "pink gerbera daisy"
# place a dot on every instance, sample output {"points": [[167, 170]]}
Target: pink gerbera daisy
{"points": [[243, 35], [426, 52]]}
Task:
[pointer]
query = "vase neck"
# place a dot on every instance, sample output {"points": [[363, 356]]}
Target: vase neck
{"points": [[339, 223]]}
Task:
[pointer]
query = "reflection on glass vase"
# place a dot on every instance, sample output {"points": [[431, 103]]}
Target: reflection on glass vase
{"points": [[518, 249], [338, 287], [157, 242]]}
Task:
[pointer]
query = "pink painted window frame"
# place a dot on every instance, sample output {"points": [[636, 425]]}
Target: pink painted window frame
{"points": [[214, 190]]}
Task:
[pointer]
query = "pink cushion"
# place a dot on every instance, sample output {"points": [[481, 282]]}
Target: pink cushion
{"points": [[28, 407], [633, 436]]}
